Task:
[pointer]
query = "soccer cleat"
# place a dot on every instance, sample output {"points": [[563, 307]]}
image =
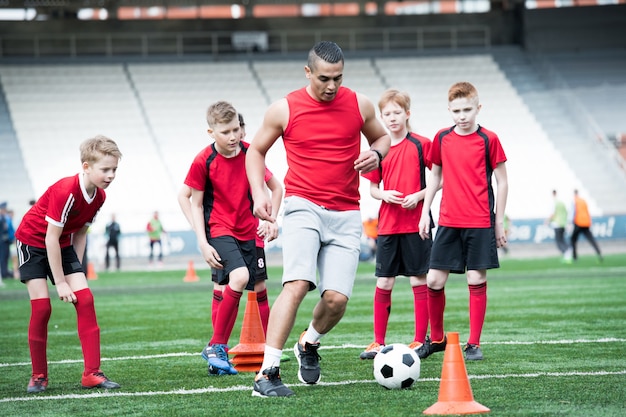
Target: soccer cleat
{"points": [[98, 380], [415, 345], [269, 384], [429, 347], [38, 383], [473, 353], [371, 351], [212, 371], [309, 371], [218, 361]]}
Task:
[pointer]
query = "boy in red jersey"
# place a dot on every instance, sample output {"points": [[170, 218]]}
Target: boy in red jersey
{"points": [[266, 231], [400, 249], [469, 231], [321, 126], [221, 214], [51, 242]]}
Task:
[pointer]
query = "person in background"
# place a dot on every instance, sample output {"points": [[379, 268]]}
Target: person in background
{"points": [[155, 232], [321, 127], [112, 232], [7, 237], [51, 242], [582, 225], [370, 229], [558, 221]]}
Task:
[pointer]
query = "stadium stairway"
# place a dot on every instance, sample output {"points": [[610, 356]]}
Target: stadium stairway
{"points": [[16, 193], [593, 165]]}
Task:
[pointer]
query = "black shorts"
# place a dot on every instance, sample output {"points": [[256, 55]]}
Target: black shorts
{"points": [[402, 254], [459, 249], [33, 262], [235, 254]]}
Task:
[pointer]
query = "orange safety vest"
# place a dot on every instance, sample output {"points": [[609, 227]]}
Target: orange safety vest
{"points": [[581, 213]]}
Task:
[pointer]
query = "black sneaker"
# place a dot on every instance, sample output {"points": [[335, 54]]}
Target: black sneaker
{"points": [[429, 347], [270, 385], [309, 362], [473, 353]]}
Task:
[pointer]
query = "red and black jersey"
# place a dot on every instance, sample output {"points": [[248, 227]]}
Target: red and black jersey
{"points": [[467, 164], [228, 207], [402, 170], [322, 140], [65, 204]]}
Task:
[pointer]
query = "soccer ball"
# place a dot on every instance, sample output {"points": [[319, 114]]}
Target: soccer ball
{"points": [[396, 366]]}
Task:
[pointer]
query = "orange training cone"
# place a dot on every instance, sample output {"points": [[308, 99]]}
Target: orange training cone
{"points": [[249, 352], [455, 392], [191, 275], [91, 271]]}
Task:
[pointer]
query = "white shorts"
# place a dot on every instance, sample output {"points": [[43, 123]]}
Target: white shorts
{"points": [[316, 239]]}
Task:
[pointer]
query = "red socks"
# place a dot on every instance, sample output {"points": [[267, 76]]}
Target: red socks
{"points": [[382, 310], [88, 330], [226, 316], [420, 310], [477, 310], [436, 307], [264, 308], [262, 301], [215, 306], [40, 310]]}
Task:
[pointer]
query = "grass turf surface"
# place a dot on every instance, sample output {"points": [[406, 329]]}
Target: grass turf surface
{"points": [[553, 343]]}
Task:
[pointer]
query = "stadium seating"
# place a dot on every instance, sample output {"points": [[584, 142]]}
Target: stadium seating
{"points": [[156, 112]]}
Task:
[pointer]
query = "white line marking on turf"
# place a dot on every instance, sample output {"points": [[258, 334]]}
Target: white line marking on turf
{"points": [[344, 346], [183, 391]]}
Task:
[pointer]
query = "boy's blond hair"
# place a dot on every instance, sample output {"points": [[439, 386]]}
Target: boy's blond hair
{"points": [[401, 98], [220, 112], [94, 149], [462, 89]]}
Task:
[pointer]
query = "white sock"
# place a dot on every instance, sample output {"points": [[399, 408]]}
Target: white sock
{"points": [[271, 357], [311, 335]]}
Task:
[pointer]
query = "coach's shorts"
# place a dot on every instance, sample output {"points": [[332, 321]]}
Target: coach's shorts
{"points": [[402, 254], [33, 262], [316, 239], [234, 254], [460, 249]]}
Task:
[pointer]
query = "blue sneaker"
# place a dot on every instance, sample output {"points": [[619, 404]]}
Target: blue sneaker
{"points": [[218, 361]]}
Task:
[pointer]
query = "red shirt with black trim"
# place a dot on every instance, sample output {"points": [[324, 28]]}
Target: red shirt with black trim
{"points": [[401, 171], [322, 140], [64, 204], [228, 206], [467, 199]]}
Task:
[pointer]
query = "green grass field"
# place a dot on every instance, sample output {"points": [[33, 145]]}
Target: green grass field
{"points": [[553, 343]]}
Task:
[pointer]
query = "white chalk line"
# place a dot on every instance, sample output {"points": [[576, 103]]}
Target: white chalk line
{"points": [[183, 391], [322, 347]]}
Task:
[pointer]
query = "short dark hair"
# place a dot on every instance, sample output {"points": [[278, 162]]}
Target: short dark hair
{"points": [[327, 51]]}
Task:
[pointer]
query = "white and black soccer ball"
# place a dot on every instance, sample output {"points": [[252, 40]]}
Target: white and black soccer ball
{"points": [[396, 366]]}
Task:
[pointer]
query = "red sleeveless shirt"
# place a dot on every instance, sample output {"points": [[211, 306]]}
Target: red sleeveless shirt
{"points": [[322, 141]]}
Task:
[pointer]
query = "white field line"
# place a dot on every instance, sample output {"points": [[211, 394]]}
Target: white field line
{"points": [[344, 346], [183, 391]]}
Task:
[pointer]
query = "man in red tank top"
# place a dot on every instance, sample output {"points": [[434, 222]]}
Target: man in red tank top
{"points": [[321, 126]]}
